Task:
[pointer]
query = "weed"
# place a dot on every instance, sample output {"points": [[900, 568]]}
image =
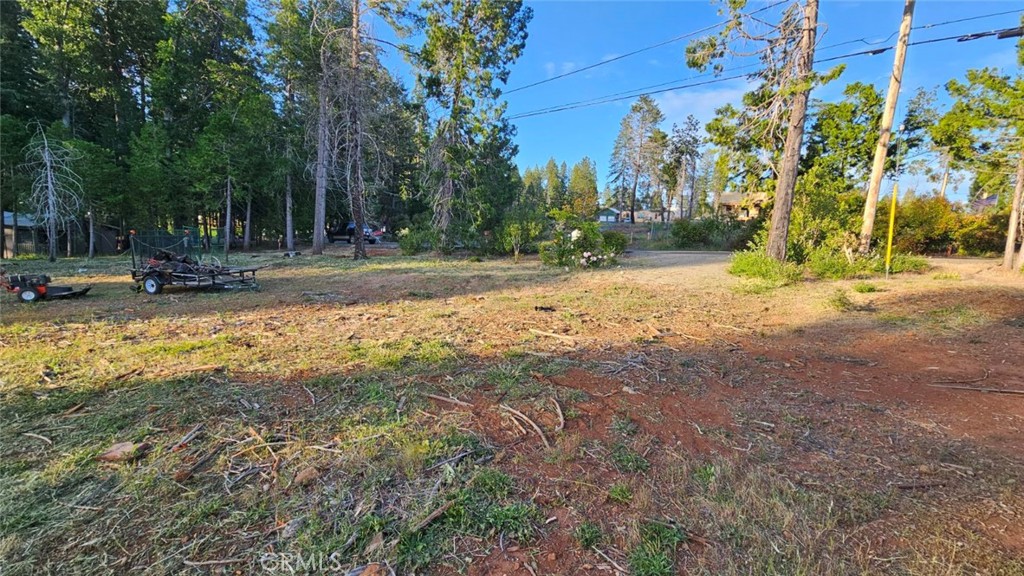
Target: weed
{"points": [[825, 263], [647, 562], [620, 493], [628, 460], [864, 288], [516, 521], [588, 534], [840, 300], [760, 266], [624, 426], [902, 263], [947, 276], [704, 475]]}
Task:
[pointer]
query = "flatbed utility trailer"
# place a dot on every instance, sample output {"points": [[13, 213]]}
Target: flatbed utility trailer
{"points": [[35, 287], [165, 268]]}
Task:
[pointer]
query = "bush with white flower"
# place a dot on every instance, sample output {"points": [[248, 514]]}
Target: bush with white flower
{"points": [[575, 243]]}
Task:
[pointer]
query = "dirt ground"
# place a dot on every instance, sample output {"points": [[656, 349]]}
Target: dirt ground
{"points": [[861, 426]]}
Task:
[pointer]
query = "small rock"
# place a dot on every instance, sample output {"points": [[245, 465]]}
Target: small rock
{"points": [[124, 452], [552, 557], [292, 527], [307, 476]]}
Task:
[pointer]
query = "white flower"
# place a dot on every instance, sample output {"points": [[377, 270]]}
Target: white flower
{"points": [[586, 254], [575, 235]]}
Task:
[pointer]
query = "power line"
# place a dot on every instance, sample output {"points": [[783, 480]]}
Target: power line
{"points": [[920, 27], [1001, 33], [638, 51]]}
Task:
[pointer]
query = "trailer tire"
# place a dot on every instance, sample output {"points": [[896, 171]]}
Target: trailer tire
{"points": [[28, 295], [152, 285]]}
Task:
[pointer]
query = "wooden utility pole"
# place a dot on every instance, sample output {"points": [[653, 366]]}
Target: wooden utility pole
{"points": [[779, 231], [891, 97]]}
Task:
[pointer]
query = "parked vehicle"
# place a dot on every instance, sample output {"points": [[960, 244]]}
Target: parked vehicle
{"points": [[35, 287]]}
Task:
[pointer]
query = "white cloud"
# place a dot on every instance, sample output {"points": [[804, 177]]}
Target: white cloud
{"points": [[702, 103], [552, 69]]}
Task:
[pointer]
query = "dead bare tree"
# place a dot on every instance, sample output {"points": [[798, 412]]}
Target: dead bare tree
{"points": [[56, 188]]}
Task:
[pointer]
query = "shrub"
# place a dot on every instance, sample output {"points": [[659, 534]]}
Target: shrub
{"points": [[713, 233], [825, 263], [575, 243], [982, 234], [758, 265], [518, 236], [613, 241], [412, 241], [902, 263], [864, 288]]}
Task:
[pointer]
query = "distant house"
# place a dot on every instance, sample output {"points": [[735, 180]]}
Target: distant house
{"points": [[647, 216], [741, 206], [608, 215], [25, 234], [984, 203]]}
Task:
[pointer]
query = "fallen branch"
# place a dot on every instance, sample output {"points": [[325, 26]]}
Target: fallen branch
{"points": [[562, 337], [561, 418], [433, 516], [528, 421], [973, 389], [971, 381], [449, 399], [919, 485], [610, 561], [190, 436], [38, 437], [214, 562]]}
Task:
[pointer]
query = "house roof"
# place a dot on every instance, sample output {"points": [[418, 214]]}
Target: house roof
{"points": [[24, 220], [610, 209], [983, 203]]}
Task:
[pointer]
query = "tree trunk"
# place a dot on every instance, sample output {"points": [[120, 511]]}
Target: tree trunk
{"points": [[320, 195], [1015, 208], [14, 248], [51, 204], [247, 235], [632, 200], [355, 163], [779, 231], [68, 238], [289, 222], [227, 223], [945, 176], [92, 235], [885, 130]]}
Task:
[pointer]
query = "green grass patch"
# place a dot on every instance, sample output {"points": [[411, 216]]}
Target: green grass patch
{"points": [[588, 534], [626, 459], [865, 288], [759, 266], [620, 493], [840, 300]]}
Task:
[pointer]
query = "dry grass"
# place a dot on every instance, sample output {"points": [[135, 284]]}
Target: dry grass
{"points": [[317, 437]]}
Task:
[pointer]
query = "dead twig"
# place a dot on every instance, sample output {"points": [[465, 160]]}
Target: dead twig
{"points": [[449, 399], [312, 397], [610, 561], [213, 562], [528, 421], [973, 389], [433, 516], [190, 436], [971, 381], [561, 417], [562, 337], [38, 437]]}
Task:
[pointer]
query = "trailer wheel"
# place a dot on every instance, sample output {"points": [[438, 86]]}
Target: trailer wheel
{"points": [[152, 285], [28, 295]]}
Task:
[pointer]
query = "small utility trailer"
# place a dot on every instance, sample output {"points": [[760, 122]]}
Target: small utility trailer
{"points": [[166, 268], [35, 287]]}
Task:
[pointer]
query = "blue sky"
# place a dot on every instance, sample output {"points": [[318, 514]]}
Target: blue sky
{"points": [[568, 35]]}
